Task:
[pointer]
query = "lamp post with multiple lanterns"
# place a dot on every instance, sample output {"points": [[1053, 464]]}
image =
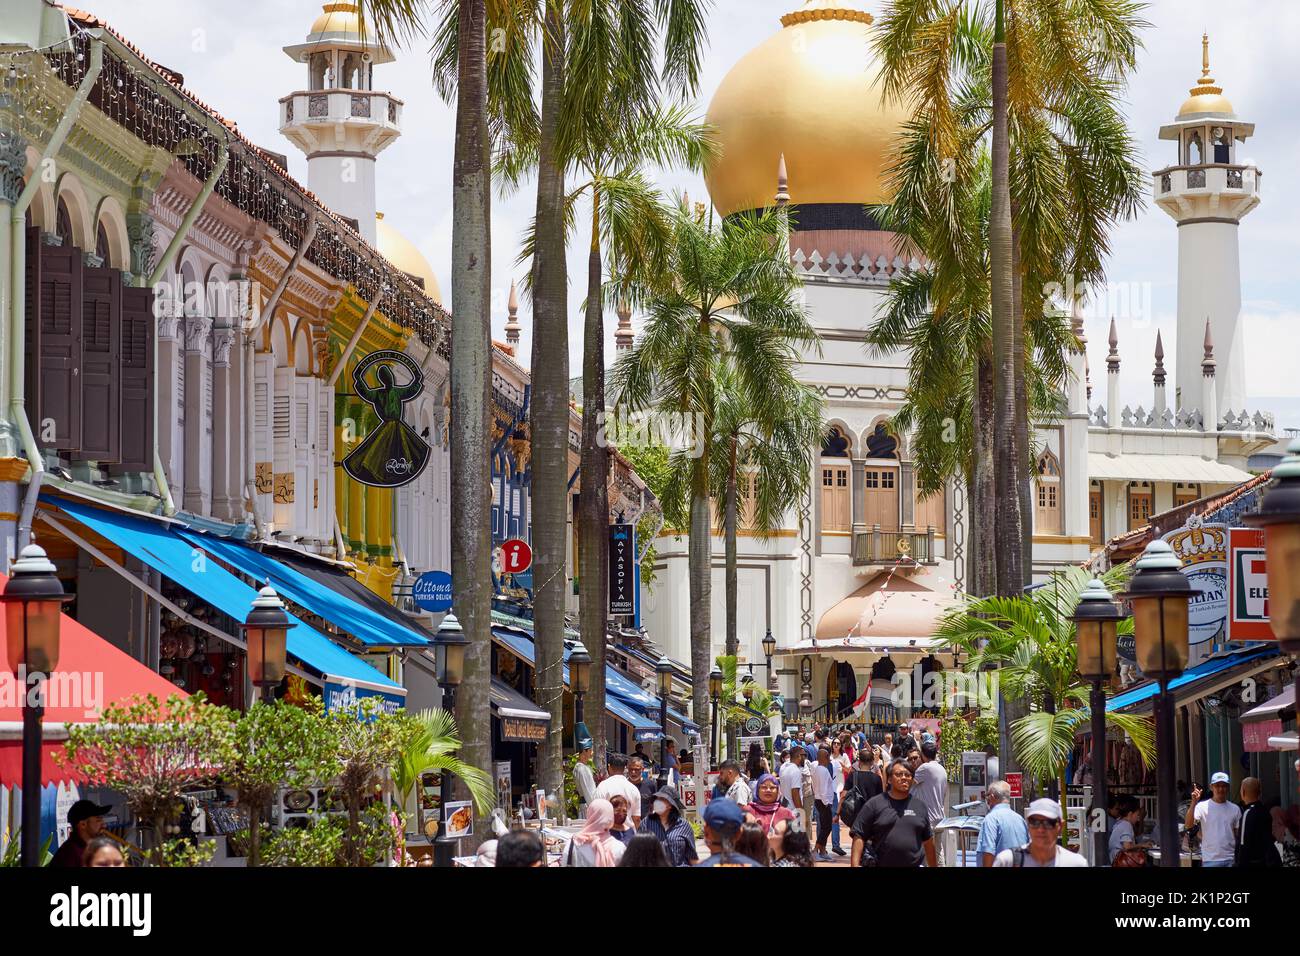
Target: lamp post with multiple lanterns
{"points": [[664, 680], [1096, 619], [33, 600], [715, 692], [1160, 594], [449, 655], [266, 632]]}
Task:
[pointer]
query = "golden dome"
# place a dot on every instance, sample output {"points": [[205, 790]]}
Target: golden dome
{"points": [[807, 92], [401, 252], [339, 20], [1206, 97]]}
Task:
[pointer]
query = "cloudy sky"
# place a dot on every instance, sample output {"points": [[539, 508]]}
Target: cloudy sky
{"points": [[230, 54]]}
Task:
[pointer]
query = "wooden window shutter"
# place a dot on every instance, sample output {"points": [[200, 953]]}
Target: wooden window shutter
{"points": [[53, 392], [100, 371], [137, 381]]}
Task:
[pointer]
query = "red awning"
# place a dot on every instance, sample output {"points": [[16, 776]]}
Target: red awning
{"points": [[92, 673]]}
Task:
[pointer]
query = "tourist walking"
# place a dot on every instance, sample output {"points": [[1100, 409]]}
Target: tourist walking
{"points": [[520, 848], [795, 850], [1257, 847], [622, 829], [1003, 828], [823, 798], [767, 812], [1044, 847], [668, 825], [841, 767], [646, 786], [722, 823], [86, 820], [732, 784], [792, 786], [617, 784], [893, 829], [755, 764], [644, 850], [1219, 820], [594, 845], [931, 783]]}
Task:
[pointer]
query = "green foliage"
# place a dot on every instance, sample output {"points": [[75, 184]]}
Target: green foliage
{"points": [[429, 742], [183, 853], [366, 742], [732, 709], [572, 799], [320, 844], [13, 855]]}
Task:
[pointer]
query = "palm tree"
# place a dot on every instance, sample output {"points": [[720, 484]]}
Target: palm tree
{"points": [[1030, 640], [430, 745], [727, 299], [733, 709]]}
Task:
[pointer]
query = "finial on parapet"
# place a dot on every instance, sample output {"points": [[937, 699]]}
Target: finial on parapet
{"points": [[1208, 363], [512, 322], [1112, 359], [623, 335], [1158, 374], [782, 183]]}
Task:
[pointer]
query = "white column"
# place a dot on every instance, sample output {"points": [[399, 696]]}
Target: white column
{"points": [[1209, 287]]}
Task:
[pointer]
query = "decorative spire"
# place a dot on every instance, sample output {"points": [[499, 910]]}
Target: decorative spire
{"points": [[512, 323], [1208, 363], [1112, 360], [782, 183], [623, 335], [1159, 373], [1205, 85]]}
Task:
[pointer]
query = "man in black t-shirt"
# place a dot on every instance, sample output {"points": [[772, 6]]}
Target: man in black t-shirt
{"points": [[895, 825], [636, 775]]}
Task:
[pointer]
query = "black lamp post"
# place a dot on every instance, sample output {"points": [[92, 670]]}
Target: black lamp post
{"points": [[664, 677], [449, 655], [1095, 621], [769, 649], [579, 675], [715, 692], [1279, 516], [1160, 595], [266, 632], [33, 599]]}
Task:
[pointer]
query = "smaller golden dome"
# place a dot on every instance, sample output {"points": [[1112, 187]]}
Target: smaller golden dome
{"points": [[338, 18], [1206, 97], [401, 252]]}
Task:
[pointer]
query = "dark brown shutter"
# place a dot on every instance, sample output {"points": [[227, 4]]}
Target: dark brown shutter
{"points": [[54, 339], [101, 320], [136, 361]]}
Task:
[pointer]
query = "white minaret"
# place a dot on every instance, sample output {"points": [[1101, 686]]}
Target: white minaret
{"points": [[1207, 193], [340, 121]]}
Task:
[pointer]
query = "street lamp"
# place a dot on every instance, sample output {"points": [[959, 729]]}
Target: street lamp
{"points": [[579, 675], [33, 598], [715, 692], [664, 679], [769, 649], [1279, 516], [266, 631], [1160, 595], [449, 656], [747, 687], [1096, 619]]}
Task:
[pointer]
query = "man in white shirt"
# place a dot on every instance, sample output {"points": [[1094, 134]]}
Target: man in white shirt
{"points": [[792, 785], [1044, 848], [1219, 820], [617, 784], [823, 784]]}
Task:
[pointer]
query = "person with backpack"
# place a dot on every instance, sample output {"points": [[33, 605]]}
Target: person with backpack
{"points": [[863, 784], [893, 828], [1044, 846]]}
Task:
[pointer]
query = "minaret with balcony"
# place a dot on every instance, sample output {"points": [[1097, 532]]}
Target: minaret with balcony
{"points": [[1211, 187], [340, 121]]}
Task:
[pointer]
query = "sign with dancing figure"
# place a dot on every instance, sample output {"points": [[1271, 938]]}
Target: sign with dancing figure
{"points": [[393, 454]]}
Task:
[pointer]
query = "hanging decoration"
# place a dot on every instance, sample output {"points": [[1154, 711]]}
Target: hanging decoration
{"points": [[393, 454]]}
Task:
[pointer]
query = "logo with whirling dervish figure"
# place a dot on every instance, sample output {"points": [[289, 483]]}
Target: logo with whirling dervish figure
{"points": [[393, 454]]}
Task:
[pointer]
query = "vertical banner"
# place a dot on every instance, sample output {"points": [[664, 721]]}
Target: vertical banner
{"points": [[622, 576], [1248, 576]]}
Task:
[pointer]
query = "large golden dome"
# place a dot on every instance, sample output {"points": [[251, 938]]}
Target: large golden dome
{"points": [[401, 252], [809, 92]]}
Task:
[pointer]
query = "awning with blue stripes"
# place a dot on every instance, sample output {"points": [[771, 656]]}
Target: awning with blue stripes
{"points": [[1201, 673]]}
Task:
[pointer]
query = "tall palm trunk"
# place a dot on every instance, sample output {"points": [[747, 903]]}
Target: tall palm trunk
{"points": [[982, 577], [550, 410], [593, 504], [471, 374], [729, 530], [701, 582], [1023, 451]]}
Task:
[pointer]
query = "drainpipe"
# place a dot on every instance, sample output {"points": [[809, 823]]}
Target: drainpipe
{"points": [[250, 347], [164, 263], [342, 363], [18, 294]]}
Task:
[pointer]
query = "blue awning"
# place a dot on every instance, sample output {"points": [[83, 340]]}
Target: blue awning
{"points": [[1202, 671], [158, 546], [368, 627]]}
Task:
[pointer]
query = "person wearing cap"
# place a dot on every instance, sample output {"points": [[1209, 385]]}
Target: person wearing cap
{"points": [[670, 828], [1044, 846], [1220, 821], [584, 776], [722, 820], [87, 821]]}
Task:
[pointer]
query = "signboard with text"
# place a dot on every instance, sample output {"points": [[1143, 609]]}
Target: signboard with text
{"points": [[1248, 587], [522, 729], [432, 591], [622, 570]]}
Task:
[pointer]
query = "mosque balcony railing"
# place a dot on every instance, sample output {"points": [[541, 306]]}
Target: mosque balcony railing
{"points": [[306, 107], [848, 267], [1249, 425], [1229, 178], [874, 545]]}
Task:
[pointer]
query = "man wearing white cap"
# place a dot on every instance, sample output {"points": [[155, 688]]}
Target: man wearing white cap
{"points": [[1044, 847], [1219, 822]]}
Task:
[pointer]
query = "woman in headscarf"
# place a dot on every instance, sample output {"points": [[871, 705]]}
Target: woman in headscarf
{"points": [[767, 812], [594, 845]]}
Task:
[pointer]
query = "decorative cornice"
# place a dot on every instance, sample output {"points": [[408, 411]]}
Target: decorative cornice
{"points": [[810, 16], [13, 160]]}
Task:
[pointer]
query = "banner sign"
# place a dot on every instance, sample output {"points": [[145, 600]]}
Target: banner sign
{"points": [[346, 696], [622, 571], [1248, 578], [393, 454], [432, 591], [1203, 549], [523, 729]]}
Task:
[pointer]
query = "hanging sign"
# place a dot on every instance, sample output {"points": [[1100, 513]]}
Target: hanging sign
{"points": [[393, 454], [1203, 549], [516, 556], [432, 591], [622, 570], [1248, 587]]}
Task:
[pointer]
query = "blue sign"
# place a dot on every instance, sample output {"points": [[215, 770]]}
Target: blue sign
{"points": [[432, 591], [345, 697]]}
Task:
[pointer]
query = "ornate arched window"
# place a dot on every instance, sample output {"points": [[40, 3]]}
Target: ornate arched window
{"points": [[835, 477], [1048, 494]]}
